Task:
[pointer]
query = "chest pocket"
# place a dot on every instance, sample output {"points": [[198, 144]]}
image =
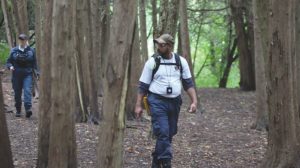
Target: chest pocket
{"points": [[23, 59]]}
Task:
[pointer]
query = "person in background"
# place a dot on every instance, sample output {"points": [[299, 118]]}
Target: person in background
{"points": [[22, 62]]}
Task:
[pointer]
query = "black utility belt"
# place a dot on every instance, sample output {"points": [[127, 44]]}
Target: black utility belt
{"points": [[25, 65], [162, 97]]}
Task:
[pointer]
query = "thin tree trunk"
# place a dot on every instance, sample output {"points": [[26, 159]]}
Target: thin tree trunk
{"points": [[133, 75], [173, 17], [44, 42], [230, 58], [5, 150], [143, 30], [111, 130], [163, 17], [261, 53], [95, 61], [168, 17], [21, 16], [154, 18], [38, 27], [104, 38], [62, 145], [244, 35], [8, 23], [185, 38], [86, 79], [179, 39]]}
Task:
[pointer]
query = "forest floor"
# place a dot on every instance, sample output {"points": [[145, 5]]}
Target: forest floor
{"points": [[220, 137]]}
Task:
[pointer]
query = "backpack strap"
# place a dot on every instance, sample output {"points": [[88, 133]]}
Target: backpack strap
{"points": [[178, 64], [158, 63]]}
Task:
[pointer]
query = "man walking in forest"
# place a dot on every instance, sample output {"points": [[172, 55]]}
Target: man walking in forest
{"points": [[162, 78], [22, 63]]}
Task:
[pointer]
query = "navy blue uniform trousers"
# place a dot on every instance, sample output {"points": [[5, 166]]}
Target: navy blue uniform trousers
{"points": [[164, 118], [22, 80]]}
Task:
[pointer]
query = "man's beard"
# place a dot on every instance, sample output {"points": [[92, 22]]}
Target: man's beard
{"points": [[163, 54]]}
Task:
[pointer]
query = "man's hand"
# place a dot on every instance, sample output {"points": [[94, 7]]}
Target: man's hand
{"points": [[138, 111], [193, 108]]}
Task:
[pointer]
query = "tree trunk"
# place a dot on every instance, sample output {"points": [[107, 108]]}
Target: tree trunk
{"points": [[104, 38], [8, 23], [261, 53], [143, 30], [168, 17], [62, 145], [96, 61], [86, 79], [244, 33], [38, 27], [44, 41], [179, 46], [5, 150], [21, 16], [163, 17], [133, 73], [282, 74], [111, 130], [185, 38], [154, 18], [230, 58]]}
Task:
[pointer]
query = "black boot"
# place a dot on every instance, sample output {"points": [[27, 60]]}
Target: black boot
{"points": [[28, 113], [18, 114], [155, 163], [166, 163]]}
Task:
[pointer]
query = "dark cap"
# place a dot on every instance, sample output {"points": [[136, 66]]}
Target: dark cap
{"points": [[165, 38], [23, 37]]}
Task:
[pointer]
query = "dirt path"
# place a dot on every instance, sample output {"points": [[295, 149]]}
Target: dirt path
{"points": [[220, 137]]}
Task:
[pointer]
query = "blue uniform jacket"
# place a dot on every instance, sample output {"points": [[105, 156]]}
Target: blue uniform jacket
{"points": [[22, 60]]}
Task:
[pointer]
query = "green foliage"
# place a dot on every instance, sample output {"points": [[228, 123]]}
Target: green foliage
{"points": [[209, 38], [4, 53], [209, 50]]}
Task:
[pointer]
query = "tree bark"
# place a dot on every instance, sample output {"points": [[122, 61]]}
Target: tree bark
{"points": [[282, 74], [179, 47], [104, 38], [8, 23], [173, 17], [143, 30], [168, 17], [62, 144], [111, 130], [261, 53], [21, 16], [96, 61], [185, 38], [244, 33], [44, 41], [135, 62], [5, 150], [154, 18], [85, 63]]}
